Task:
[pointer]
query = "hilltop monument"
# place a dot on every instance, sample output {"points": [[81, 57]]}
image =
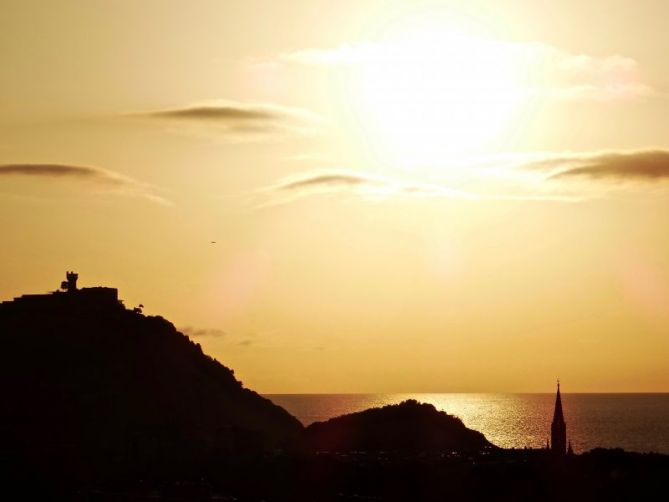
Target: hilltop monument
{"points": [[70, 284], [69, 296]]}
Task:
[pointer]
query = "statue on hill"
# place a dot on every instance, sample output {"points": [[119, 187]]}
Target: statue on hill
{"points": [[70, 285]]}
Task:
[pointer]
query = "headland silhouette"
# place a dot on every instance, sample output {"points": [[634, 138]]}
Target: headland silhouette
{"points": [[105, 403]]}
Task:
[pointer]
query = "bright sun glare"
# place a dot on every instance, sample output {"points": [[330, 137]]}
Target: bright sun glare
{"points": [[431, 94]]}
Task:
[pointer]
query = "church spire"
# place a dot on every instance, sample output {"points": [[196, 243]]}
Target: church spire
{"points": [[558, 427], [557, 413]]}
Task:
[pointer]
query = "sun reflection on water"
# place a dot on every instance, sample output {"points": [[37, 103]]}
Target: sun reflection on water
{"points": [[635, 422]]}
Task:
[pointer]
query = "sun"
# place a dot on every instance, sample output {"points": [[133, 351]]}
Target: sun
{"points": [[431, 94]]}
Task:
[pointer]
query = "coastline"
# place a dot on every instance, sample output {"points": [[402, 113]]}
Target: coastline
{"points": [[636, 422]]}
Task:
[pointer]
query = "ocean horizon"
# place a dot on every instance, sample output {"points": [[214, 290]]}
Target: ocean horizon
{"points": [[632, 421]]}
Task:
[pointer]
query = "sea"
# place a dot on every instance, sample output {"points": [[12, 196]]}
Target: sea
{"points": [[634, 422]]}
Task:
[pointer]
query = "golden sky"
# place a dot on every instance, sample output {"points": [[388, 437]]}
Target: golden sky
{"points": [[404, 196]]}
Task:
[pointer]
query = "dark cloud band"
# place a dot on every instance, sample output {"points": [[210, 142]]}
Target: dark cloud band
{"points": [[218, 113], [108, 181], [62, 171], [238, 120], [334, 180], [642, 165]]}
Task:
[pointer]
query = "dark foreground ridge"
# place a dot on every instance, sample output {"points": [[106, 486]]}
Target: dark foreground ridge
{"points": [[102, 403], [89, 387]]}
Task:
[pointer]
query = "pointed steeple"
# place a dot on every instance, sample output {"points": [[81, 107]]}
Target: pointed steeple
{"points": [[558, 427], [557, 413]]}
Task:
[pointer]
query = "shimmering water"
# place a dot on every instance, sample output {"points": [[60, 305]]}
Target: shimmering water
{"points": [[635, 422]]}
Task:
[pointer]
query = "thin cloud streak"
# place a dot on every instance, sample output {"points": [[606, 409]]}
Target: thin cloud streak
{"points": [[648, 165], [365, 183], [234, 120], [528, 176], [107, 181], [585, 175], [193, 332], [374, 187], [543, 70], [63, 171], [224, 113]]}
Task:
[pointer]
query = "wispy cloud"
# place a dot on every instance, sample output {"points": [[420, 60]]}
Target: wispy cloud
{"points": [[63, 171], [374, 187], [236, 121], [100, 179], [530, 176], [349, 54], [644, 165], [584, 77], [581, 174], [192, 332], [219, 113], [313, 158], [231, 340], [539, 70]]}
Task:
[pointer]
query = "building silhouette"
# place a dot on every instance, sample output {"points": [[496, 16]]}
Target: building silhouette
{"points": [[70, 284], [71, 297], [559, 427]]}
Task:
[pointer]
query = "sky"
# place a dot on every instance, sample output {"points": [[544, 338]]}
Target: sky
{"points": [[353, 196]]}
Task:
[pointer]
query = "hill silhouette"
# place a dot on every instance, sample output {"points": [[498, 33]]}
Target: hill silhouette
{"points": [[406, 427], [103, 403], [89, 385]]}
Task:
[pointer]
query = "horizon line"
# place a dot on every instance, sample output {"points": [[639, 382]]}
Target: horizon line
{"points": [[448, 392]]}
